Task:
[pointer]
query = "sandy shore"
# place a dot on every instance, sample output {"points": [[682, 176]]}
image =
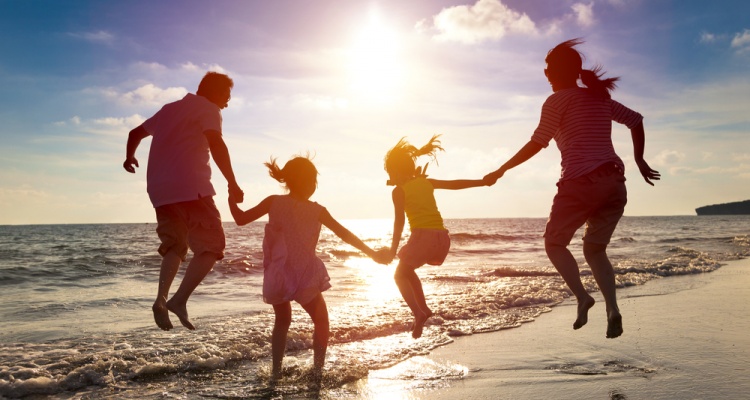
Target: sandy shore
{"points": [[685, 337]]}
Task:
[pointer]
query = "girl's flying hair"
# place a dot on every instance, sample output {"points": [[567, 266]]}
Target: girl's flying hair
{"points": [[566, 61], [402, 157], [296, 172]]}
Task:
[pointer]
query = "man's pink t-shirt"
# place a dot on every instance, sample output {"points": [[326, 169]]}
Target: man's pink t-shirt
{"points": [[178, 162]]}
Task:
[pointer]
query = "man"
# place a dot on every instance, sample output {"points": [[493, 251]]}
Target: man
{"points": [[184, 134]]}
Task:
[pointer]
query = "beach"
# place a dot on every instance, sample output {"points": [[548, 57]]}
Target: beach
{"points": [[77, 323], [685, 338]]}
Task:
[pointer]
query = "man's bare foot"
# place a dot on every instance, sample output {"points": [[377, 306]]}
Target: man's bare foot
{"points": [[180, 310], [419, 321], [161, 315], [583, 312], [614, 324]]}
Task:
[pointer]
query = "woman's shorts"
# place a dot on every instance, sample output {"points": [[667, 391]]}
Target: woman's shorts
{"points": [[596, 199], [195, 224], [425, 246]]}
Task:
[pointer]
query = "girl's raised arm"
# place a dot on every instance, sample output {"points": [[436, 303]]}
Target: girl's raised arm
{"points": [[246, 217], [345, 234], [457, 184]]}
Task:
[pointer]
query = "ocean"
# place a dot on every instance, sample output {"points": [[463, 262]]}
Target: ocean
{"points": [[75, 304]]}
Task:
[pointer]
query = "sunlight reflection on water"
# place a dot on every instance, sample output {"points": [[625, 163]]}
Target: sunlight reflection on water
{"points": [[374, 283]]}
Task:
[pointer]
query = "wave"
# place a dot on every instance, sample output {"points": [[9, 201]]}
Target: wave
{"points": [[508, 272], [490, 237]]}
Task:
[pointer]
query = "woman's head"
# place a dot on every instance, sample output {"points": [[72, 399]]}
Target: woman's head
{"points": [[564, 62], [400, 161], [565, 66], [299, 175]]}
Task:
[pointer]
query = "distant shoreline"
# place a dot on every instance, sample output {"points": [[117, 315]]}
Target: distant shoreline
{"points": [[734, 208]]}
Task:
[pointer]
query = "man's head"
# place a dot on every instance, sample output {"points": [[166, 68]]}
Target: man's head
{"points": [[217, 88]]}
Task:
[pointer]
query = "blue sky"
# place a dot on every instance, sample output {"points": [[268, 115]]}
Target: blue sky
{"points": [[344, 80]]}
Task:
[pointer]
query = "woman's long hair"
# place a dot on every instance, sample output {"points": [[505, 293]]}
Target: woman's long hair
{"points": [[567, 62]]}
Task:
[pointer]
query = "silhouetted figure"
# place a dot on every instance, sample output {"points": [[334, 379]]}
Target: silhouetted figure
{"points": [[591, 188], [185, 134], [291, 269], [429, 241]]}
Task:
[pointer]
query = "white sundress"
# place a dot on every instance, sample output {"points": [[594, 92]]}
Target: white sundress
{"points": [[291, 269]]}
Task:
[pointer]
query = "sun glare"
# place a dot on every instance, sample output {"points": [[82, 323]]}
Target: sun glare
{"points": [[376, 280], [375, 64]]}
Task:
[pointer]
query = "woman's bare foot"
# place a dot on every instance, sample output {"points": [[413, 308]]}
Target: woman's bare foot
{"points": [[180, 310], [614, 324], [161, 315], [275, 377], [583, 312], [419, 321]]}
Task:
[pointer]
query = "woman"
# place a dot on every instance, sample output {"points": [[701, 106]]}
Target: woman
{"points": [[591, 188]]}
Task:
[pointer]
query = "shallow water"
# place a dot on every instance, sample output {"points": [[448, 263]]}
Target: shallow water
{"points": [[75, 303]]}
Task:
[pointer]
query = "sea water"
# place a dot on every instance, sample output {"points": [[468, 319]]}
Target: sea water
{"points": [[76, 321]]}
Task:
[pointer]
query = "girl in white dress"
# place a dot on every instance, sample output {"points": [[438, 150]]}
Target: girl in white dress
{"points": [[292, 270]]}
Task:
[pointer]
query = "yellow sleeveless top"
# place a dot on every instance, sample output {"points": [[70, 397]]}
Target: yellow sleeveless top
{"points": [[420, 206]]}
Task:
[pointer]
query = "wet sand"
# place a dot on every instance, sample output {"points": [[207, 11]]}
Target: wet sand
{"points": [[685, 337]]}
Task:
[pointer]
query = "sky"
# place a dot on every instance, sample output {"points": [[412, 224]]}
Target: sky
{"points": [[343, 81]]}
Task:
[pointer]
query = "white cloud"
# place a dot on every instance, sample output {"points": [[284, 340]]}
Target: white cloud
{"points": [[741, 41], [584, 14], [150, 94], [485, 20], [107, 126], [145, 95], [668, 157], [75, 120], [707, 37], [189, 66], [94, 37], [740, 170]]}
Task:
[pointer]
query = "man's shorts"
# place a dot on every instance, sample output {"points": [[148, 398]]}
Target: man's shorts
{"points": [[597, 199], [425, 246], [195, 223]]}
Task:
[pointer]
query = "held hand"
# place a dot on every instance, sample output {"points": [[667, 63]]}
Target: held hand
{"points": [[236, 195], [492, 177], [129, 163], [383, 256], [648, 173]]}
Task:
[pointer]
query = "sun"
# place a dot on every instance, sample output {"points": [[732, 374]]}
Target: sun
{"points": [[375, 65]]}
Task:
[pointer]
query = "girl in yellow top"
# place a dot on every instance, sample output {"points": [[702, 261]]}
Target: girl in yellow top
{"points": [[429, 241]]}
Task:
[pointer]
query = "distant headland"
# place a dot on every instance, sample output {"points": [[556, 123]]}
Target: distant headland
{"points": [[734, 208]]}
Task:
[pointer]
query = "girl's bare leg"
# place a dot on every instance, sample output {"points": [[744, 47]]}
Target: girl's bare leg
{"points": [[411, 290], [318, 311], [283, 313]]}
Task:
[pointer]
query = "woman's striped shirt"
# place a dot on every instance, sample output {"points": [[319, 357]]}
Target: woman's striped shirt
{"points": [[581, 124]]}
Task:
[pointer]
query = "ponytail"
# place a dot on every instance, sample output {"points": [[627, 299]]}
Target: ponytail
{"points": [[274, 171], [297, 172], [429, 149], [564, 61], [403, 156], [592, 78]]}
